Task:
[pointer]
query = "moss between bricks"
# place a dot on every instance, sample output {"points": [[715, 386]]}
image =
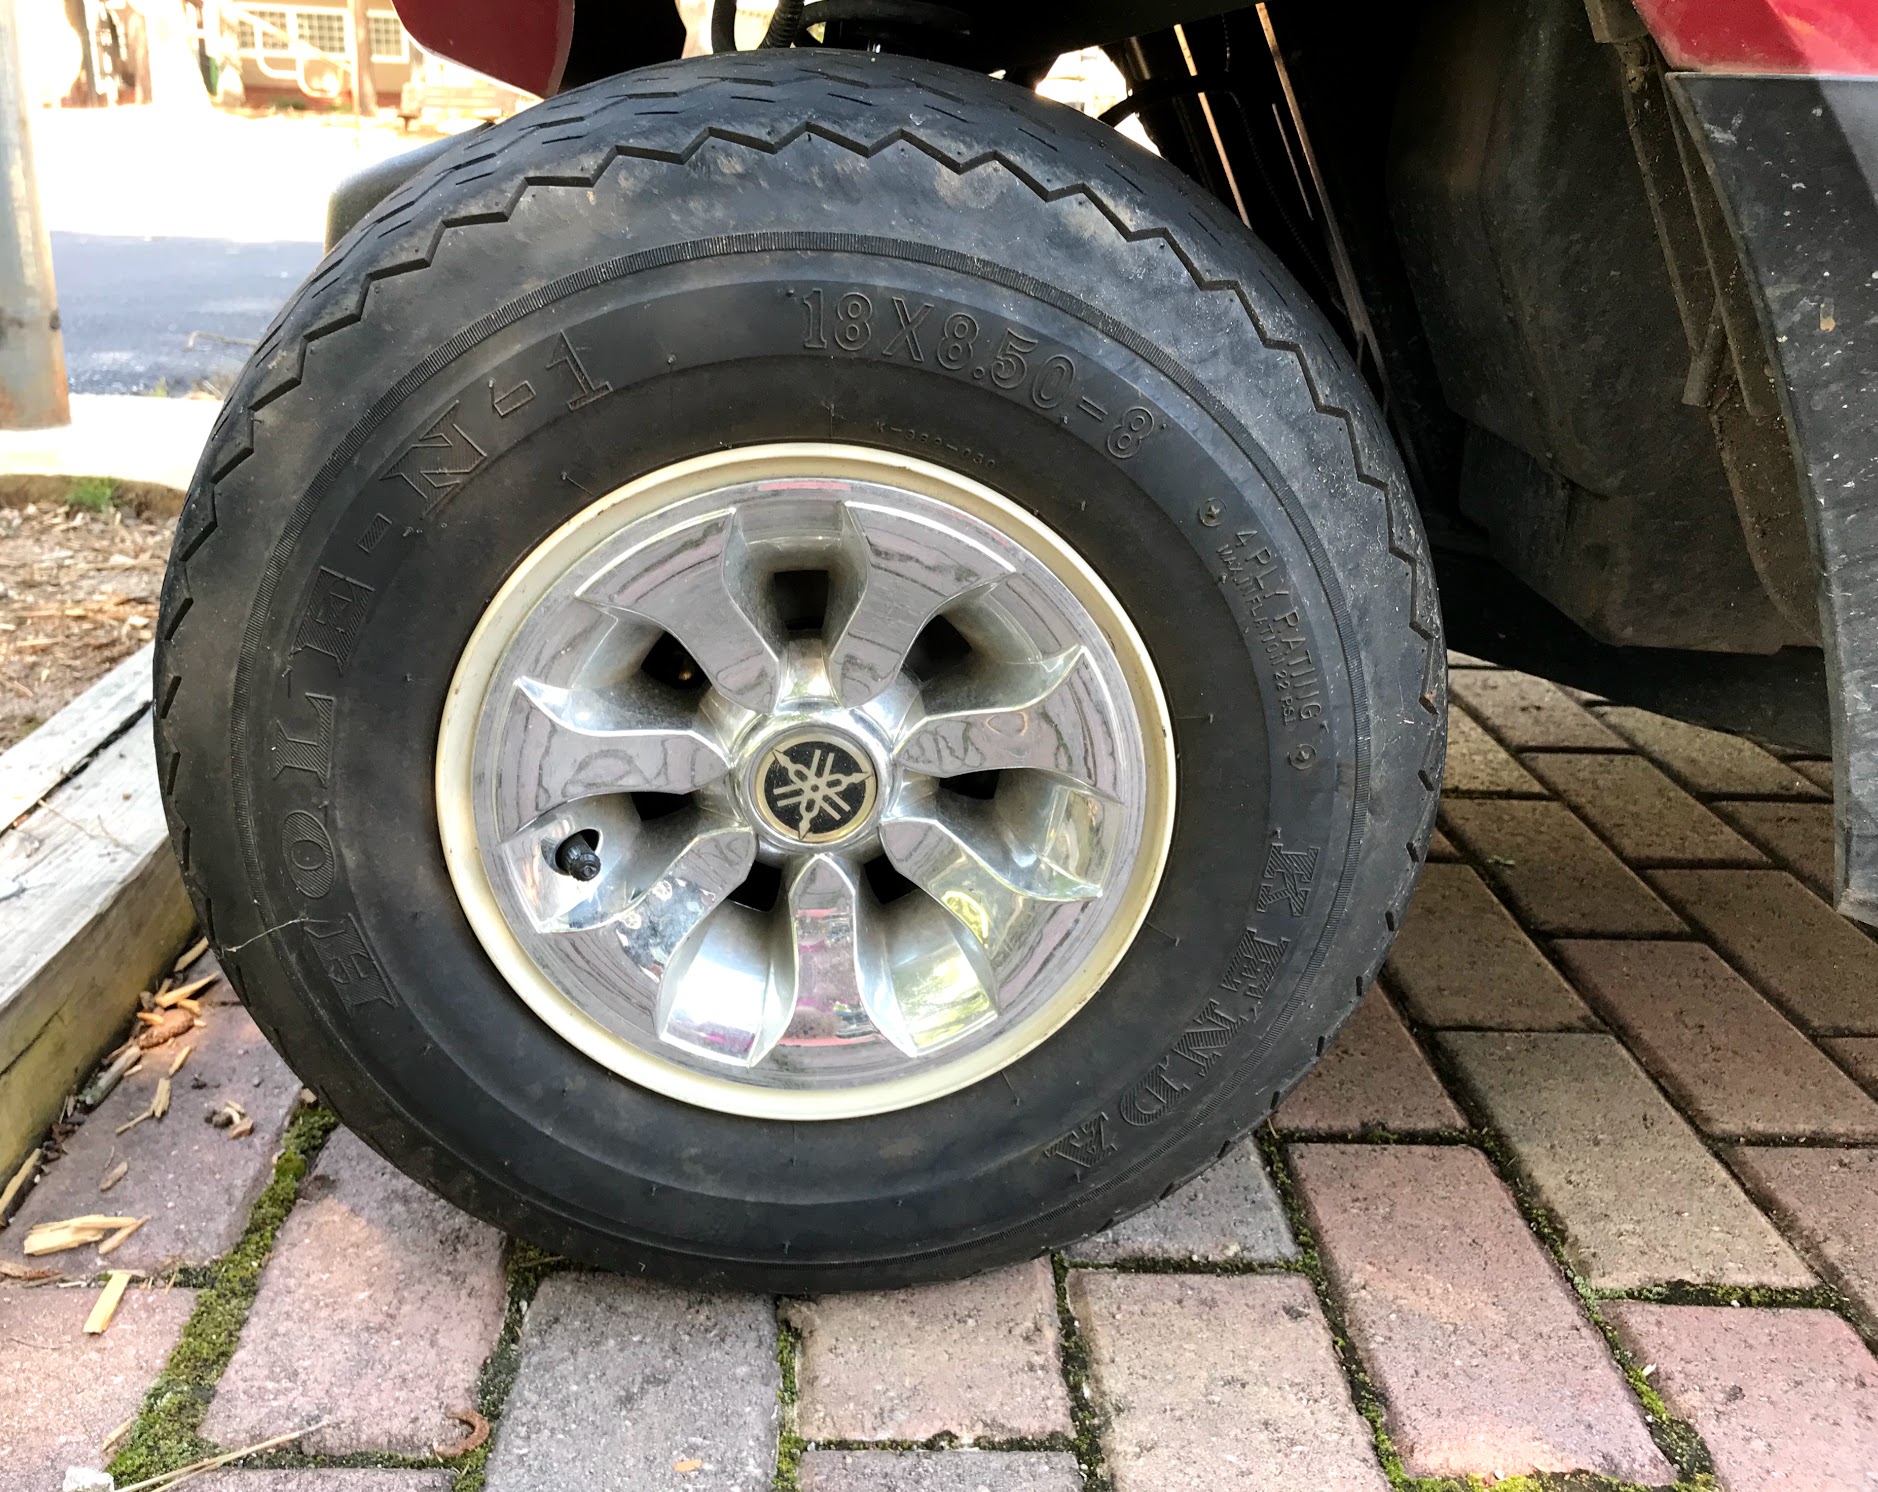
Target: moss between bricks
{"points": [[168, 1430], [528, 1267], [789, 1444], [1085, 1415]]}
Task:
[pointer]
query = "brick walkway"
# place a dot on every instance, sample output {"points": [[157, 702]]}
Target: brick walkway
{"points": [[1590, 1183]]}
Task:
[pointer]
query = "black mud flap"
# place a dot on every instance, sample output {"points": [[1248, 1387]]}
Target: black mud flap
{"points": [[1796, 163]]}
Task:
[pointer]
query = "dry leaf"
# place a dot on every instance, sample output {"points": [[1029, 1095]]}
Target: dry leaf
{"points": [[106, 1307], [110, 1245], [170, 1023], [478, 1433], [116, 1174]]}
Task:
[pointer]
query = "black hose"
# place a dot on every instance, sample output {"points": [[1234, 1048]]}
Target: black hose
{"points": [[1160, 90], [785, 25], [724, 26], [902, 12]]}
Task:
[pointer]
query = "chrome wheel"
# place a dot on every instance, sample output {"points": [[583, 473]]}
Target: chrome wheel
{"points": [[805, 781]]}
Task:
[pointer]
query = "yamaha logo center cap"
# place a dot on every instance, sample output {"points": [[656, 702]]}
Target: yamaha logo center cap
{"points": [[813, 787]]}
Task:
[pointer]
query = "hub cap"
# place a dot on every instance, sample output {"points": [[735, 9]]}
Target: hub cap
{"points": [[805, 781]]}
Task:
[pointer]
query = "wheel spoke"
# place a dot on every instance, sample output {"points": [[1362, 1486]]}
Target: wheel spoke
{"points": [[834, 967], [720, 999], [1050, 715], [965, 859], [657, 880], [897, 571], [941, 986], [696, 583], [575, 743], [681, 875]]}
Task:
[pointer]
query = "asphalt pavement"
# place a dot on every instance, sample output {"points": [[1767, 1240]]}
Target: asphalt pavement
{"points": [[168, 315]]}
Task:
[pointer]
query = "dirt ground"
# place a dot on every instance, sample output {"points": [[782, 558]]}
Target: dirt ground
{"points": [[78, 589]]}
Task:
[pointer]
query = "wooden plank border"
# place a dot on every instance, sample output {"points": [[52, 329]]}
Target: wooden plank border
{"points": [[93, 906]]}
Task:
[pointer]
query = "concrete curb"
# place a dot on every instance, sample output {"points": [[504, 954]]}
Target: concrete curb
{"points": [[132, 437]]}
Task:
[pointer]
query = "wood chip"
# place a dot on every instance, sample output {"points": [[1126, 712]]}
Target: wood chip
{"points": [[241, 1128], [108, 1298], [73, 1232], [167, 998], [478, 1433], [18, 1184], [115, 1241], [116, 1174], [120, 1066], [10, 1270], [687, 1467], [111, 1440], [181, 1057], [190, 954], [130, 1124], [171, 1023], [149, 1017], [160, 1105]]}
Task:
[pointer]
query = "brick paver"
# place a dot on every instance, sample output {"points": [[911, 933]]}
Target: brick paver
{"points": [[634, 1385], [1461, 960], [65, 1392], [1440, 847], [194, 1183], [1798, 835], [1858, 1055], [1479, 764], [1526, 712], [1734, 1064], [1639, 812], [1828, 1201], [1641, 1200], [1373, 1077], [1794, 947], [1707, 761], [375, 1313], [325, 1479], [1230, 1212], [1488, 1364], [976, 1357], [1781, 1398], [1252, 1400], [939, 1471], [1558, 876]]}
